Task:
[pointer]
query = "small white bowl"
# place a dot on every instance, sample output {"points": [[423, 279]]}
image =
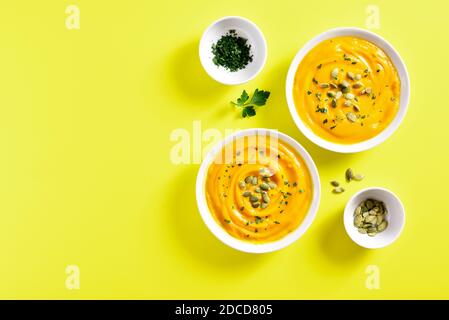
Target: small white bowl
{"points": [[245, 29], [403, 76], [395, 218], [220, 232]]}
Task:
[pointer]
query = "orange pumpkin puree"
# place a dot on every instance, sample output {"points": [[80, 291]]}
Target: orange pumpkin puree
{"points": [[338, 67], [230, 181]]}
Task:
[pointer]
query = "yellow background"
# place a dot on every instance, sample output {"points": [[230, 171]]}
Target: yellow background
{"points": [[86, 178]]}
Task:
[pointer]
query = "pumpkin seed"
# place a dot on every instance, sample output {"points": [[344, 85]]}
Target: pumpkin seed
{"points": [[359, 177], [381, 227], [272, 185], [350, 75], [246, 194], [334, 103], [264, 186], [338, 95], [264, 205], [356, 108], [345, 84], [265, 198], [371, 234], [264, 172], [357, 85], [335, 183], [369, 204], [331, 94], [361, 230], [253, 198], [248, 179], [368, 90], [324, 85], [254, 181], [345, 90], [242, 185], [338, 190], [379, 220], [358, 210], [255, 204], [357, 77], [351, 117], [347, 103], [349, 174], [334, 73], [257, 190], [349, 96], [358, 221], [333, 85]]}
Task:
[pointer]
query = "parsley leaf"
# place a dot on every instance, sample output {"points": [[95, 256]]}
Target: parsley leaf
{"points": [[258, 99], [248, 111]]}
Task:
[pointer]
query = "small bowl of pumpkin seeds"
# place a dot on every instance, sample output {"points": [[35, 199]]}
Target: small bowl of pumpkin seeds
{"points": [[374, 218]]}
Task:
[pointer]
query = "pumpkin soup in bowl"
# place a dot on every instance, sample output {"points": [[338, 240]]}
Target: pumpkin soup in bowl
{"points": [[347, 90], [260, 188]]}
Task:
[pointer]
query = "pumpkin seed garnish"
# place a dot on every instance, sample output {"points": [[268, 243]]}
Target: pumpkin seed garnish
{"points": [[356, 108], [357, 77], [345, 84], [333, 85], [272, 185], [351, 116], [334, 73], [324, 85], [357, 85], [347, 103], [334, 103], [246, 194], [265, 198], [242, 185], [264, 186], [253, 198], [248, 179], [331, 94], [350, 75], [349, 96], [358, 177], [264, 205], [254, 181], [338, 95], [368, 90], [335, 183], [255, 204]]}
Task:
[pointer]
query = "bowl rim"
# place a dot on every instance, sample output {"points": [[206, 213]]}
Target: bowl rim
{"points": [[264, 46], [397, 61], [247, 246], [348, 212]]}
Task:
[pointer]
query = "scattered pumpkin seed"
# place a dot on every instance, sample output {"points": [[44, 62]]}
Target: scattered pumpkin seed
{"points": [[338, 190], [349, 174], [257, 190], [334, 73], [253, 198], [254, 181], [347, 103], [264, 205], [246, 194], [272, 185], [324, 85], [333, 85], [338, 95], [242, 185], [345, 84], [265, 198], [351, 117], [368, 90], [349, 96], [334, 103], [255, 204], [357, 77], [331, 94], [345, 90], [248, 179], [264, 186], [335, 183], [356, 108], [359, 177], [350, 75], [357, 85]]}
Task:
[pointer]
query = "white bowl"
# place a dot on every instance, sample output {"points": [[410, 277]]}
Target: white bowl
{"points": [[395, 218], [221, 233], [404, 98], [244, 28]]}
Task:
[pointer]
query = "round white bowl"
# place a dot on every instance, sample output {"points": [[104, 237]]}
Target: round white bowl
{"points": [[395, 218], [404, 98], [220, 232], [245, 29]]}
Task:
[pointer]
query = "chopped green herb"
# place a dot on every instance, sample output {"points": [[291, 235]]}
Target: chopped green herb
{"points": [[232, 52]]}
